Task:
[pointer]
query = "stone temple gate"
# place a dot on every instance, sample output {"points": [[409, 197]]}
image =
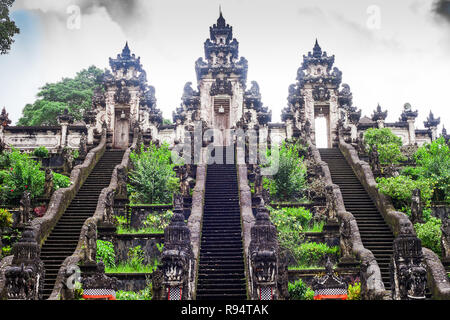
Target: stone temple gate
{"points": [[221, 101]]}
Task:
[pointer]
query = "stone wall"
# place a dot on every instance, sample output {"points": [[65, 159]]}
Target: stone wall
{"points": [[195, 220], [52, 137], [148, 243], [438, 282]]}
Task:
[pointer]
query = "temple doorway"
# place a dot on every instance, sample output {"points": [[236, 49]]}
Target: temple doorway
{"points": [[222, 120], [121, 131]]}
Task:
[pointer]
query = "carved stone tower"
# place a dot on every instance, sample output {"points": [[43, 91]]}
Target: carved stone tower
{"points": [[221, 101], [316, 94], [127, 101]]}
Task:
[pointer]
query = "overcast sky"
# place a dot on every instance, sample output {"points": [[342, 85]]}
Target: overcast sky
{"points": [[390, 52]]}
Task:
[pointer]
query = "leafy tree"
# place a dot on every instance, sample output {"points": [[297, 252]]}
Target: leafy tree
{"points": [[153, 179], [72, 94], [400, 190], [433, 162], [8, 28]]}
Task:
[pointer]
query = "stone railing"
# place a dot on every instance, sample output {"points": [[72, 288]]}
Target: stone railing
{"points": [[195, 221], [247, 217], [76, 258], [438, 282], [41, 228], [62, 198], [372, 286]]}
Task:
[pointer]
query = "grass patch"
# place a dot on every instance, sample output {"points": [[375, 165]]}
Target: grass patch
{"points": [[123, 230], [316, 227], [127, 267]]}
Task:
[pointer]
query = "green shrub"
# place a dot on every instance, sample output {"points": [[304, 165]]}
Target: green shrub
{"points": [[381, 136], [6, 251], [41, 152], [433, 162], [6, 219], [153, 179], [60, 181], [387, 143], [288, 227], [354, 291], [145, 294], [430, 233], [290, 180], [400, 190], [4, 160], [158, 221], [300, 291], [105, 252], [312, 253], [24, 174], [136, 256]]}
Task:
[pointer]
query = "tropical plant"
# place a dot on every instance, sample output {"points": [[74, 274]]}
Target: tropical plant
{"points": [[433, 162], [354, 291], [158, 221], [387, 144], [290, 180], [153, 179], [23, 175], [298, 290], [6, 219], [312, 253], [60, 181], [430, 234], [41, 152], [400, 190], [105, 252], [136, 256]]}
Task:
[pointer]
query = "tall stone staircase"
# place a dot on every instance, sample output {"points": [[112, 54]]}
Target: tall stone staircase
{"points": [[221, 273], [375, 233], [63, 239]]}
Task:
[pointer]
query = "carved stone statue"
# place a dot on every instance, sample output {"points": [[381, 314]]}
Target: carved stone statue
{"points": [[416, 207], [258, 181], [374, 161], [408, 272], [360, 146], [83, 146], [109, 208], [122, 179], [68, 159], [90, 245], [445, 239], [331, 204], [345, 240], [49, 184], [25, 207]]}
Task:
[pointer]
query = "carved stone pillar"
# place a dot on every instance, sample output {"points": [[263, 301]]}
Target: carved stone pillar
{"points": [[266, 271], [408, 271], [177, 258], [25, 276]]}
